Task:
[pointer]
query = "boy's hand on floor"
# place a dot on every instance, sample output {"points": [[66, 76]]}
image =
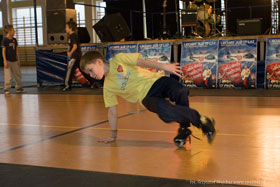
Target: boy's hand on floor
{"points": [[107, 140]]}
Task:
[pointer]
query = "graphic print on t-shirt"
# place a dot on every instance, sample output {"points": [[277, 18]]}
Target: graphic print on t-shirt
{"points": [[123, 79]]}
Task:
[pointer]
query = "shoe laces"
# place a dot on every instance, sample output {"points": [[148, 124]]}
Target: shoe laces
{"points": [[196, 137]]}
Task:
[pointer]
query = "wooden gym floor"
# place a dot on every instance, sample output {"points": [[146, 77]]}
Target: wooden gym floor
{"points": [[62, 131]]}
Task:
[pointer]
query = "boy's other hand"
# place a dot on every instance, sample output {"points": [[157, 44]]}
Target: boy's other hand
{"points": [[173, 68], [106, 140]]}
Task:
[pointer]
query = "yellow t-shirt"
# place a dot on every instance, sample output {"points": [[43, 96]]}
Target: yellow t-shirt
{"points": [[127, 80]]}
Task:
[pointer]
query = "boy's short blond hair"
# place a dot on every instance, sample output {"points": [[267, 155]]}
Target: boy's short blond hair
{"points": [[8, 28], [90, 57]]}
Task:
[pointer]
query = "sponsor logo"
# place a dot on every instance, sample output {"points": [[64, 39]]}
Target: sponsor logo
{"points": [[120, 69]]}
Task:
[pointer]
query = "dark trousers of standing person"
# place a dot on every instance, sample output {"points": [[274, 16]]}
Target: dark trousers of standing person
{"points": [[72, 65], [156, 101]]}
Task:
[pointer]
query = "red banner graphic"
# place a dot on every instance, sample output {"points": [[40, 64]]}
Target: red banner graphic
{"points": [[230, 71], [193, 72], [273, 71]]}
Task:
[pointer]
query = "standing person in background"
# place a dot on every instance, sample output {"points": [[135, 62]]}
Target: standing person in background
{"points": [[73, 52], [11, 60]]}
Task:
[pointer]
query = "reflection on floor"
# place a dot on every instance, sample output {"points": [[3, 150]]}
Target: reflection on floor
{"points": [[62, 131]]}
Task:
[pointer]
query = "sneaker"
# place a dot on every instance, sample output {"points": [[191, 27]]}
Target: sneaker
{"points": [[208, 128], [66, 88], [181, 138], [20, 90], [6, 92]]}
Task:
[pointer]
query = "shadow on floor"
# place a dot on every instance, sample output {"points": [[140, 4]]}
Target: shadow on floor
{"points": [[23, 175]]}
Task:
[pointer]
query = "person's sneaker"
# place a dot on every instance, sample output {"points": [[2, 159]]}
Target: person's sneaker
{"points": [[66, 88], [6, 92], [208, 128], [20, 90], [181, 138]]}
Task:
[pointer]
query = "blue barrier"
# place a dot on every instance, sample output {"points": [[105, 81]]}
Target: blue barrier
{"points": [[51, 67]]}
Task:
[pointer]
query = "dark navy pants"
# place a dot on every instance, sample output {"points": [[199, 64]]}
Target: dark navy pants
{"points": [[158, 99]]}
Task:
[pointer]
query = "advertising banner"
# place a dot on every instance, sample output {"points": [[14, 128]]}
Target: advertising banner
{"points": [[159, 52], [199, 61], [237, 61], [114, 49], [272, 63], [85, 48]]}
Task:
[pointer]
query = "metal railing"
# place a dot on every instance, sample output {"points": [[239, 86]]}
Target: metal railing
{"points": [[25, 35], [25, 30]]}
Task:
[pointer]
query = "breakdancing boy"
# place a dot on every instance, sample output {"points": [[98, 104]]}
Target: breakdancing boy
{"points": [[125, 77]]}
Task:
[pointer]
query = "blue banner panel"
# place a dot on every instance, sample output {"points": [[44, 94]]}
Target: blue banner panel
{"points": [[86, 48], [237, 61], [272, 63], [114, 49], [51, 67], [159, 52], [199, 61]]}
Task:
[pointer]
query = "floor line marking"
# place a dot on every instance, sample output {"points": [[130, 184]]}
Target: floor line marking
{"points": [[174, 132], [128, 130], [58, 135]]}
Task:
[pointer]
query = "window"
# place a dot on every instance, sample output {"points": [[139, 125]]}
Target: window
{"points": [[223, 18], [181, 6], [80, 12], [1, 23], [100, 13], [100, 10], [24, 24], [274, 16]]}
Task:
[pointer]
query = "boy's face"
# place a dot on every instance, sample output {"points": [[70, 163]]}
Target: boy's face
{"points": [[11, 32], [95, 70]]}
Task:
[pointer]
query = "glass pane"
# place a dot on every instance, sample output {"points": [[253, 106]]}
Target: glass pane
{"points": [[39, 15], [100, 12], [40, 36], [80, 11], [24, 24], [22, 12], [1, 23]]}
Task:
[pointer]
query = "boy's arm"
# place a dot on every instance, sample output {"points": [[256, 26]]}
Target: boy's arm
{"points": [[113, 121], [173, 68], [4, 57], [75, 46]]}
